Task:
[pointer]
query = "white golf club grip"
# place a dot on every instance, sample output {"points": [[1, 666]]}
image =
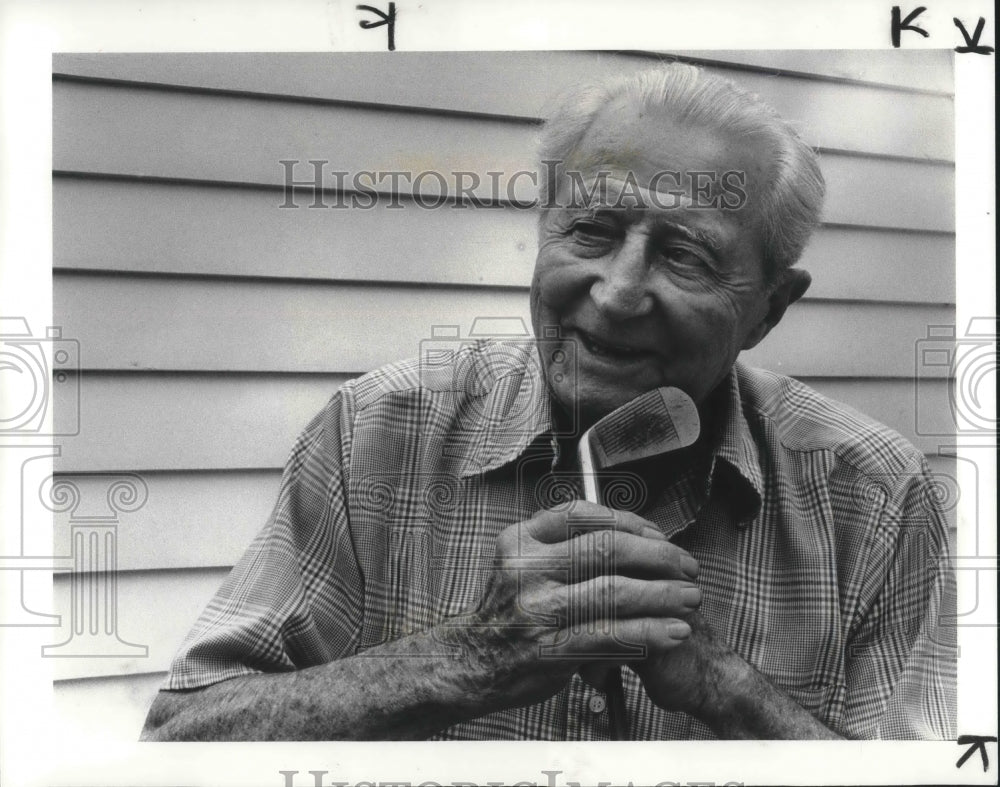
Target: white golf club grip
{"points": [[587, 469]]}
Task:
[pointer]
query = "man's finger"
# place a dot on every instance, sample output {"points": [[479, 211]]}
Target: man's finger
{"points": [[617, 598], [555, 526], [583, 515], [607, 552], [611, 639]]}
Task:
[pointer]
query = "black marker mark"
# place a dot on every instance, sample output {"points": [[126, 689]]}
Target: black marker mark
{"points": [[898, 27], [977, 742], [972, 44], [388, 19]]}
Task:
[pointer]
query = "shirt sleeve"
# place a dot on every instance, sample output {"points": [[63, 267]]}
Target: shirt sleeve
{"points": [[901, 673], [295, 597]]}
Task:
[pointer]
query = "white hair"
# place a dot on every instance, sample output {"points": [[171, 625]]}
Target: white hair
{"points": [[790, 201]]}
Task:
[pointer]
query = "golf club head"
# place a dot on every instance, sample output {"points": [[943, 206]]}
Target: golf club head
{"points": [[659, 421]]}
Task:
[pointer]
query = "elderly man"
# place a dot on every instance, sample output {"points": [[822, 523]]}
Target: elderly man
{"points": [[780, 578]]}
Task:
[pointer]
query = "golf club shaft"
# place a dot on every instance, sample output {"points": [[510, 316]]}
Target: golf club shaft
{"points": [[617, 712], [613, 689]]}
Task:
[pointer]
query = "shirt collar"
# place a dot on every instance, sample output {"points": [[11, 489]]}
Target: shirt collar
{"points": [[519, 411], [735, 453], [516, 410]]}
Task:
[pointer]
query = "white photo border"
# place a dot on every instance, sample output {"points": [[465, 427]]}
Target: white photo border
{"points": [[35, 751]]}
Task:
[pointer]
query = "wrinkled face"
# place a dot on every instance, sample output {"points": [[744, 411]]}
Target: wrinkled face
{"points": [[654, 282]]}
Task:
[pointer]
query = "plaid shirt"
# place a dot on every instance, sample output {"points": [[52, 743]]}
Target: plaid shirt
{"points": [[820, 543]]}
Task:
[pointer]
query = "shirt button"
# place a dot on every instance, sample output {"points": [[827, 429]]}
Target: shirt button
{"points": [[597, 703]]}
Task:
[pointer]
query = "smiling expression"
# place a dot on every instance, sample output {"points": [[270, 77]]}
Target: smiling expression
{"points": [[650, 289]]}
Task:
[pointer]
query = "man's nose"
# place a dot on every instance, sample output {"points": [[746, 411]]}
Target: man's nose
{"points": [[621, 289]]}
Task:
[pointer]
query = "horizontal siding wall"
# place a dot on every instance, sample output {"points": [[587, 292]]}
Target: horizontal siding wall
{"points": [[150, 132], [202, 308], [130, 322], [253, 419], [178, 228], [519, 85]]}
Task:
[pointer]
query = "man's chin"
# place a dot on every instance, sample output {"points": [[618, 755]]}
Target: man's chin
{"points": [[592, 411], [586, 407]]}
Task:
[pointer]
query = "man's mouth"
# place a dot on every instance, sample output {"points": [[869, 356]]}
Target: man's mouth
{"points": [[605, 349]]}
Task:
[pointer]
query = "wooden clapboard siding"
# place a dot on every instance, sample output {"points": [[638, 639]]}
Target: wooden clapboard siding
{"points": [[186, 228], [129, 322], [191, 519], [927, 71], [522, 85], [240, 139], [250, 421], [201, 421], [155, 609], [117, 225], [214, 325]]}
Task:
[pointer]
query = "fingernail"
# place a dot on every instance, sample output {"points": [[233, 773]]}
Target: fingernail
{"points": [[678, 629], [689, 566], [691, 596]]}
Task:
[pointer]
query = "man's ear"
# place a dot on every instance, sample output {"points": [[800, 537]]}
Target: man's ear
{"points": [[791, 286]]}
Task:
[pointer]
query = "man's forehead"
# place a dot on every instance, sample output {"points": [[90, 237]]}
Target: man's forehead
{"points": [[627, 137], [619, 188]]}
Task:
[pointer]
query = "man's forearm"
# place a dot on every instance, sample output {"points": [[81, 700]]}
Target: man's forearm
{"points": [[467, 667], [403, 690], [743, 704]]}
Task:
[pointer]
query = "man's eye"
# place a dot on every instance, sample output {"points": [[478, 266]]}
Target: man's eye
{"points": [[594, 232], [678, 255]]}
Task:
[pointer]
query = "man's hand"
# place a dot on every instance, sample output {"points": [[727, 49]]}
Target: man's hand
{"points": [[707, 679], [694, 678], [555, 601], [620, 570]]}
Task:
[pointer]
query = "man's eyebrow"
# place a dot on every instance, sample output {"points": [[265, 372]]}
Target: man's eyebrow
{"points": [[702, 237]]}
